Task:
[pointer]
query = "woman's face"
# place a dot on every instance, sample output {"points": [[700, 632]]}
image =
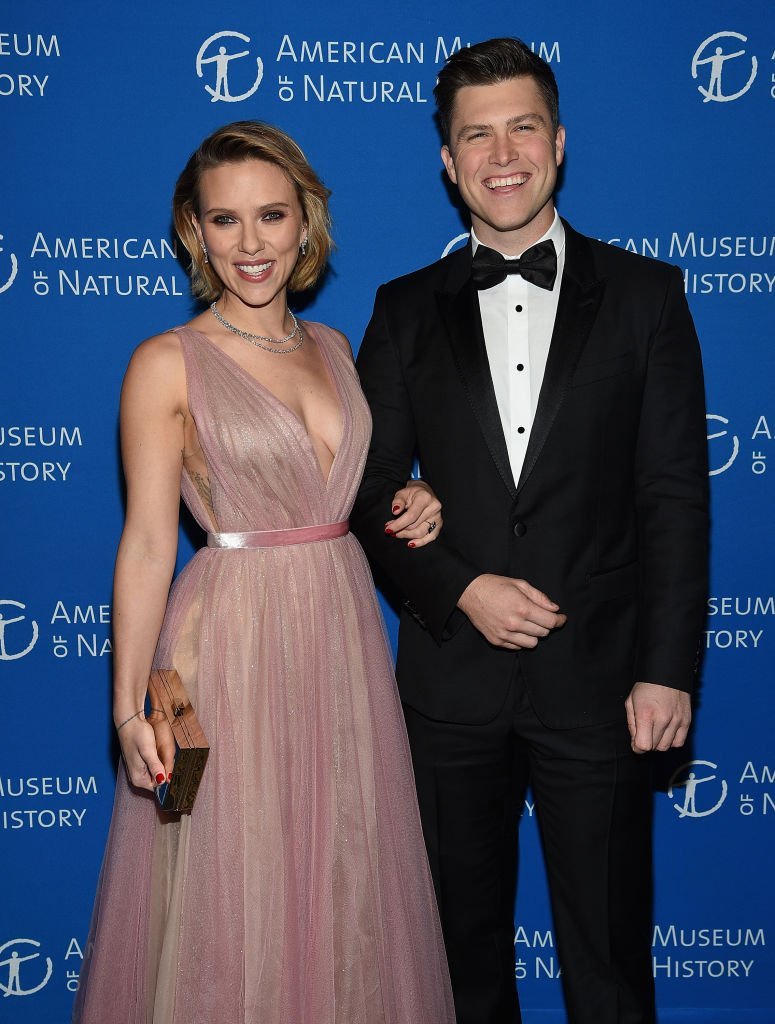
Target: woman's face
{"points": [[252, 224]]}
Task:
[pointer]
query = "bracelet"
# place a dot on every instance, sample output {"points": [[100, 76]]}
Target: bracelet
{"points": [[135, 715]]}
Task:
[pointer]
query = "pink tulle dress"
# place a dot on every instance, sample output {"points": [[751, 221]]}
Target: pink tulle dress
{"points": [[297, 892]]}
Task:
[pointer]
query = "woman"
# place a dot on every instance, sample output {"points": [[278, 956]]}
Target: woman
{"points": [[297, 891]]}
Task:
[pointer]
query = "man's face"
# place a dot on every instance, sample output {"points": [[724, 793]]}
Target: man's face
{"points": [[503, 156]]}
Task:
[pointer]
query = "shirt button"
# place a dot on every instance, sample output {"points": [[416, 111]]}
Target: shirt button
{"points": [[520, 430], [519, 529], [520, 367], [518, 309]]}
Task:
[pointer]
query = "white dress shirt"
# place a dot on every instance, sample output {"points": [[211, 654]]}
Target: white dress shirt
{"points": [[518, 320]]}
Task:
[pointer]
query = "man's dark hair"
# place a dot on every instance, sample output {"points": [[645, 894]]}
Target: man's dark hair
{"points": [[490, 62]]}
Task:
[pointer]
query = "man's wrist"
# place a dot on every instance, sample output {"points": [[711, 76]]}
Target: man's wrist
{"points": [[468, 595]]}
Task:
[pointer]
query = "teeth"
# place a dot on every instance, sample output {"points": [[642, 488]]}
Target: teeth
{"points": [[254, 271], [516, 179]]}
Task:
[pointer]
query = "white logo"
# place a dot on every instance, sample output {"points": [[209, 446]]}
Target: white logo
{"points": [[5, 622], [690, 783], [14, 267], [14, 961], [723, 433], [455, 243], [221, 60], [716, 62]]}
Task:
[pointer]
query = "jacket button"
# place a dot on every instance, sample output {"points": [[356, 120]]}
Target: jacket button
{"points": [[519, 529]]}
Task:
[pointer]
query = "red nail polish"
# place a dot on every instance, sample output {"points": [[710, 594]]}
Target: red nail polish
{"points": [[159, 778], [412, 544], [169, 777], [388, 531], [395, 508]]}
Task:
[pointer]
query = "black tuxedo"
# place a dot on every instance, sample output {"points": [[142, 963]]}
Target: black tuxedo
{"points": [[609, 516]]}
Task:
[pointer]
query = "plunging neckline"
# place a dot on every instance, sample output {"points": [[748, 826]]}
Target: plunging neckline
{"points": [[293, 416]]}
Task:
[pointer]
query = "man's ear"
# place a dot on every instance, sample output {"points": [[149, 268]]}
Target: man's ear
{"points": [[559, 145], [449, 163]]}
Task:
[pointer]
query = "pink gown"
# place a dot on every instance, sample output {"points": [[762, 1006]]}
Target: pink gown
{"points": [[297, 892]]}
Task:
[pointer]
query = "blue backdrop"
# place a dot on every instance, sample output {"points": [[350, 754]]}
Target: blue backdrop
{"points": [[669, 110]]}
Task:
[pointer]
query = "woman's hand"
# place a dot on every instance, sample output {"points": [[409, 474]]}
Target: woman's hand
{"points": [[418, 515], [148, 750]]}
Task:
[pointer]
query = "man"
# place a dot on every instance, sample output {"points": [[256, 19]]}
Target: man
{"points": [[556, 405]]}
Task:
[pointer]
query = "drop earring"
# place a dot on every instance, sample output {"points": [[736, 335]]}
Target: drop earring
{"points": [[303, 247], [204, 251]]}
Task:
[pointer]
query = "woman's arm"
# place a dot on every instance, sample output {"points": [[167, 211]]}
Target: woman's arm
{"points": [[153, 414]]}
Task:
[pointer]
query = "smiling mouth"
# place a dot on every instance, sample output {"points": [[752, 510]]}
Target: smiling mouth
{"points": [[253, 270], [507, 182]]}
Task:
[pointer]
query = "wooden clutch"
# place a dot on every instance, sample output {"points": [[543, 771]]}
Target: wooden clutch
{"points": [[168, 696]]}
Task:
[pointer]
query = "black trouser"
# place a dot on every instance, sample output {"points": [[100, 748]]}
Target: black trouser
{"points": [[593, 803]]}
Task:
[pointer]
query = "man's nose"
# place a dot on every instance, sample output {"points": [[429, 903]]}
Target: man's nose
{"points": [[504, 149]]}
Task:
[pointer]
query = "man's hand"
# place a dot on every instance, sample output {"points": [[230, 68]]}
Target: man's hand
{"points": [[508, 612], [658, 717]]}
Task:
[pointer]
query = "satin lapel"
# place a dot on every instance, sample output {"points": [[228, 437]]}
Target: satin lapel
{"points": [[580, 295], [459, 309]]}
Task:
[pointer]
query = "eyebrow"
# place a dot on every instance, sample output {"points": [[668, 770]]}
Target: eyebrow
{"points": [[261, 209], [517, 119]]}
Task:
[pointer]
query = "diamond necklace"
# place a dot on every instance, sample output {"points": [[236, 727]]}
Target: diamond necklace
{"points": [[256, 339]]}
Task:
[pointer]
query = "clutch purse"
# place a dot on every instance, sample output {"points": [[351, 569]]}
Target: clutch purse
{"points": [[168, 697]]}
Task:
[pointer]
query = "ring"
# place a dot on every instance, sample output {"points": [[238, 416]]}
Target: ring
{"points": [[431, 526]]}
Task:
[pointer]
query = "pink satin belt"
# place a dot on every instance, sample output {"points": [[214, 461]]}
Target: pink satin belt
{"points": [[278, 538]]}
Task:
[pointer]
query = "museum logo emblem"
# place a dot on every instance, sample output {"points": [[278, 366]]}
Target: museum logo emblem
{"points": [[23, 971], [458, 242], [726, 450], [720, 60], [222, 57], [8, 269], [703, 791], [17, 635]]}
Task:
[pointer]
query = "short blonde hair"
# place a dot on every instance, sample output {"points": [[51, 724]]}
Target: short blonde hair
{"points": [[253, 140]]}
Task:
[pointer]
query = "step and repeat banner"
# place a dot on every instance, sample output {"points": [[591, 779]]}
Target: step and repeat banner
{"points": [[669, 111]]}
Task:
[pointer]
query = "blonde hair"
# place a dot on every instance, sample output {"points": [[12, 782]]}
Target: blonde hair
{"points": [[253, 140]]}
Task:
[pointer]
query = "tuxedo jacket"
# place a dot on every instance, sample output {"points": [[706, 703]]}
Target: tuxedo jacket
{"points": [[609, 516]]}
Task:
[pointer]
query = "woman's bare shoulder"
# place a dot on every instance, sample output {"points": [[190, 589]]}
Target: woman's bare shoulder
{"points": [[339, 339], [161, 353], [156, 373]]}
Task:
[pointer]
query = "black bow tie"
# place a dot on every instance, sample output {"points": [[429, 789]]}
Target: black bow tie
{"points": [[538, 264]]}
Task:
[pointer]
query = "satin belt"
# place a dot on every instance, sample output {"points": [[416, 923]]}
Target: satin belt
{"points": [[278, 538]]}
